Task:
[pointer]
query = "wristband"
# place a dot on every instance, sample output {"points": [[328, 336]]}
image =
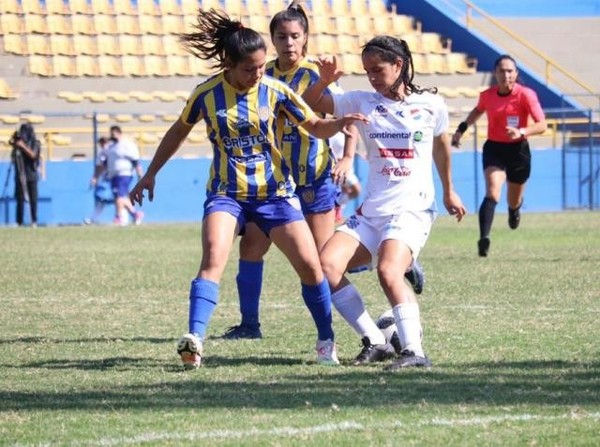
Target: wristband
{"points": [[462, 127]]}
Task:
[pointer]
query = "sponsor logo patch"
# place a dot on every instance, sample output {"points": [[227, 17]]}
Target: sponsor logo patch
{"points": [[396, 153]]}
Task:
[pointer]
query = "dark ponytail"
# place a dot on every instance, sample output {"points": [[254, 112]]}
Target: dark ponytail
{"points": [[218, 37], [390, 50], [294, 13]]}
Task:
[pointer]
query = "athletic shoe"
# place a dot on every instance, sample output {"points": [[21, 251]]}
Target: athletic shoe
{"points": [[327, 353], [242, 331], [416, 277], [514, 218], [189, 348], [138, 217], [408, 359], [371, 353], [483, 246]]}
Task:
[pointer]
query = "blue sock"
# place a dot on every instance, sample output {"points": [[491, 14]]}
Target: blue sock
{"points": [[318, 301], [249, 284], [204, 295]]}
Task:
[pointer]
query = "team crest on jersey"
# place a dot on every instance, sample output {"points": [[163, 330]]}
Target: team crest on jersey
{"points": [[380, 109], [222, 113], [418, 135], [281, 185], [263, 113], [308, 195], [243, 123]]}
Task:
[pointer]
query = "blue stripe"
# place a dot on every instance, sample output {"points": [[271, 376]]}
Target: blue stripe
{"points": [[222, 131]]}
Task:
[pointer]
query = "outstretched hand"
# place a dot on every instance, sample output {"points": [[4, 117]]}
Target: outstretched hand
{"points": [[328, 69], [137, 193]]}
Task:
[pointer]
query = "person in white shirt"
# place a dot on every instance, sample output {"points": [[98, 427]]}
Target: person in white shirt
{"points": [[405, 134], [122, 161]]}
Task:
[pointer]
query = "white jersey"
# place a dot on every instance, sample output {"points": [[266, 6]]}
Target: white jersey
{"points": [[399, 143], [120, 158]]}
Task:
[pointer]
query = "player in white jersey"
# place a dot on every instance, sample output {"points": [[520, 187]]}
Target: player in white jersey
{"points": [[405, 134]]}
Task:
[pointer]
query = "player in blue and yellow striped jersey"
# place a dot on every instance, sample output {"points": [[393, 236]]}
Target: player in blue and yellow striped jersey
{"points": [[249, 178], [310, 159]]}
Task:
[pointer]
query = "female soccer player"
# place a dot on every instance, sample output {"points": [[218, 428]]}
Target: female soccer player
{"points": [[405, 133], [249, 178], [309, 158], [506, 155]]}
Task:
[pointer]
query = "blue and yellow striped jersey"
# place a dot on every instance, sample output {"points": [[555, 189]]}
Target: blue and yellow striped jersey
{"points": [[241, 125], [310, 158]]}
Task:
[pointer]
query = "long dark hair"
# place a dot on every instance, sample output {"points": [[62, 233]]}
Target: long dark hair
{"points": [[294, 13], [390, 50], [27, 134], [218, 37], [508, 57]]}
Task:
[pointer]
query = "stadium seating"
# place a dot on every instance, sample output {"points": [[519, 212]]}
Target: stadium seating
{"points": [[5, 91]]}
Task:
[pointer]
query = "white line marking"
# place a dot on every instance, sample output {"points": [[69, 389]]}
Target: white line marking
{"points": [[316, 429]]}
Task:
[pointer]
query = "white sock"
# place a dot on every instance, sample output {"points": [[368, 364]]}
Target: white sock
{"points": [[408, 323], [350, 305]]}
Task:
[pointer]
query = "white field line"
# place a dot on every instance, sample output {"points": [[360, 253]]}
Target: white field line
{"points": [[316, 429]]}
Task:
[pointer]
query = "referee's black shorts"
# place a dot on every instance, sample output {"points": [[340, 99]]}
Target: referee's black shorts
{"points": [[513, 158]]}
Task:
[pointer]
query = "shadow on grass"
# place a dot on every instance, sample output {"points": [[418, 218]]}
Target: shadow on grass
{"points": [[562, 383]]}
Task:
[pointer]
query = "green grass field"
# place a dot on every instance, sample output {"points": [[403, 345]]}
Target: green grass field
{"points": [[90, 318]]}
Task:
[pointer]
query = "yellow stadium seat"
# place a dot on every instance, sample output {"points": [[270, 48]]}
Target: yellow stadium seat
{"points": [[103, 24], [377, 8], [110, 66], [57, 7], [344, 25], [32, 7], [10, 119], [172, 46], [152, 45], [340, 7], [402, 24], [35, 24], [133, 66], [164, 96], [351, 64], [190, 7], [86, 45], [460, 63], [448, 92], [88, 66], [40, 66], [258, 23], [150, 25], [169, 117], [38, 44], [320, 8], [364, 25], [156, 66], [128, 25], [123, 117], [146, 118], [11, 23], [63, 45], [141, 96], [467, 92], [64, 66], [102, 7], [94, 96], [130, 45], [124, 7], [149, 7], [432, 43], [60, 140], [117, 96], [13, 43], [107, 44], [10, 7], [100, 117], [172, 24], [147, 137], [89, 25], [179, 66], [347, 44], [359, 8], [201, 67], [437, 63], [197, 137], [80, 7], [59, 24], [6, 92], [324, 44], [421, 64], [383, 24], [182, 94], [413, 41], [171, 7], [275, 6], [321, 24], [235, 8]]}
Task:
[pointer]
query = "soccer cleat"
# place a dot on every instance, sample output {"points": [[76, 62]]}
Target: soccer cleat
{"points": [[138, 217], [327, 353], [373, 353], [514, 217], [242, 331], [189, 348], [483, 246], [416, 277], [408, 359]]}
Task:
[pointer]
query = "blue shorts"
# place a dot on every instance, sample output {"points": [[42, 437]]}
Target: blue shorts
{"points": [[266, 214], [317, 197], [120, 185]]}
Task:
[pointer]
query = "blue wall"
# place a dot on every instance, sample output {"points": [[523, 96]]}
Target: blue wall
{"points": [[65, 197]]}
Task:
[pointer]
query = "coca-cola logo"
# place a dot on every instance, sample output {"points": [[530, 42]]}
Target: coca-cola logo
{"points": [[395, 171]]}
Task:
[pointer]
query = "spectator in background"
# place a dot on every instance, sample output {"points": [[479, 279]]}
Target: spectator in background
{"points": [[25, 155], [122, 160], [103, 194], [506, 154]]}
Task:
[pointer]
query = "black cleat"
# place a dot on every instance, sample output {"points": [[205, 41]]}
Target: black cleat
{"points": [[483, 246], [514, 217], [408, 359], [373, 353], [416, 277], [242, 331]]}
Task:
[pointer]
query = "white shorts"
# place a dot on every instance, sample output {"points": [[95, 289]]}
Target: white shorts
{"points": [[410, 227]]}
